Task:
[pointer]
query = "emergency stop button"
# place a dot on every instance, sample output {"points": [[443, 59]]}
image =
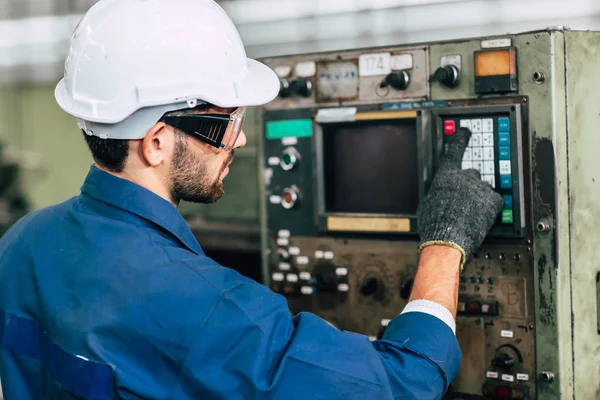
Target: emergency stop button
{"points": [[449, 127]]}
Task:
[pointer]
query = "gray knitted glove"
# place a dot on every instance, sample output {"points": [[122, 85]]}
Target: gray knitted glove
{"points": [[460, 208]]}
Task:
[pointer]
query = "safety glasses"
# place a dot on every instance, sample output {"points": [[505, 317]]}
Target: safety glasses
{"points": [[218, 130]]}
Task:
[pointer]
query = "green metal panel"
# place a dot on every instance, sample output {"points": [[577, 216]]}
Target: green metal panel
{"points": [[583, 81]]}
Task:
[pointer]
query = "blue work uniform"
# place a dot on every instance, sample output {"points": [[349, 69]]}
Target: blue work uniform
{"points": [[109, 296]]}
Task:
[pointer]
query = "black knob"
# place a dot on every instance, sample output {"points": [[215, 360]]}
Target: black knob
{"points": [[284, 90], [406, 288], [448, 76], [397, 80], [301, 87], [369, 287], [503, 361]]}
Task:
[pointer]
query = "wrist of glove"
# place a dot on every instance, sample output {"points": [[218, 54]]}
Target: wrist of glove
{"points": [[460, 208]]}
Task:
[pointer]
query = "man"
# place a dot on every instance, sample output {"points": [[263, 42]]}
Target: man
{"points": [[109, 295]]}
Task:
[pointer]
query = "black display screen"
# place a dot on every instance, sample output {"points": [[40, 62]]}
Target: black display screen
{"points": [[371, 167]]}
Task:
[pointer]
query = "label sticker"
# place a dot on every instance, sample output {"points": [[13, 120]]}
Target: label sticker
{"points": [[455, 60], [375, 64], [506, 334], [494, 43], [296, 128], [491, 375], [273, 161], [306, 69], [305, 276], [277, 277], [292, 278], [294, 251], [285, 266], [522, 377], [307, 290], [341, 271], [343, 287], [508, 378], [275, 199], [319, 254], [283, 242], [283, 71], [302, 260], [290, 141], [283, 234], [328, 255], [402, 62]]}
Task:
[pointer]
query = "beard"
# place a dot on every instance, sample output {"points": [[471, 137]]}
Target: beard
{"points": [[191, 179]]}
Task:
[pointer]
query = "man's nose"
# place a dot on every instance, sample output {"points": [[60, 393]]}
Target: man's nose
{"points": [[241, 140]]}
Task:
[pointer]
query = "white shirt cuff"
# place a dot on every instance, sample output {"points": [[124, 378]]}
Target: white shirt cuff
{"points": [[432, 308]]}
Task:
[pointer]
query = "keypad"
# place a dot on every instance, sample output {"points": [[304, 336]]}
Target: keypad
{"points": [[489, 152]]}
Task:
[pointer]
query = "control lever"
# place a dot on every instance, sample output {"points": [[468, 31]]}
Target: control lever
{"points": [[397, 80]]}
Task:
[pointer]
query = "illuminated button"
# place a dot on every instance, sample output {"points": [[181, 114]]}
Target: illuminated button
{"points": [[503, 391], [487, 125], [488, 167], [476, 126], [505, 167], [488, 139], [491, 179], [289, 198], [506, 181], [467, 164], [504, 153], [477, 154], [488, 154], [476, 140], [465, 123], [468, 156], [449, 127], [508, 201], [507, 216], [504, 139], [503, 124]]}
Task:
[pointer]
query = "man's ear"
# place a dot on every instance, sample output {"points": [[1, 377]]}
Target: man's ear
{"points": [[156, 144]]}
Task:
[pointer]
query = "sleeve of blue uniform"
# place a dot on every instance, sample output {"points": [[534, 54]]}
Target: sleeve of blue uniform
{"points": [[251, 348]]}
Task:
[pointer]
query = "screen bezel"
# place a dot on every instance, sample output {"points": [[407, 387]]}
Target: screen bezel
{"points": [[424, 176]]}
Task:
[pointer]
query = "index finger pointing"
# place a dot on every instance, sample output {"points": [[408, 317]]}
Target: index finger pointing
{"points": [[457, 144]]}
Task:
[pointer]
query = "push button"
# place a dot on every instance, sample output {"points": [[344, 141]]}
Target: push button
{"points": [[506, 181], [504, 153], [503, 124], [508, 202], [449, 127], [504, 139], [507, 216]]}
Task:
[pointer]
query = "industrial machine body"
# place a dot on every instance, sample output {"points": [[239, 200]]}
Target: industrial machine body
{"points": [[351, 146]]}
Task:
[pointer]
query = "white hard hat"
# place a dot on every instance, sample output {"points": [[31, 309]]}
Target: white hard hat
{"points": [[137, 59]]}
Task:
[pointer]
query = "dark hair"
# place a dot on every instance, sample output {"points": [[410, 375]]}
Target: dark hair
{"points": [[108, 153]]}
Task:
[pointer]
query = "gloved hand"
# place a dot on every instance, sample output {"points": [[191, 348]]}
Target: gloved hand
{"points": [[460, 208]]}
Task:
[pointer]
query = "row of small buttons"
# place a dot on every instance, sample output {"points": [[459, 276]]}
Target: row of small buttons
{"points": [[505, 168]]}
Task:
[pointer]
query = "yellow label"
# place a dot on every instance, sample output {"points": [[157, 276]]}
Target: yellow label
{"points": [[366, 224], [375, 115]]}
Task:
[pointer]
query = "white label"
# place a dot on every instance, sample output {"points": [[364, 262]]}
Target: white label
{"points": [[294, 251], [385, 322], [277, 277], [507, 334], [305, 276], [283, 234], [490, 44], [328, 255], [285, 266], [275, 199], [491, 375], [343, 287], [292, 278], [289, 141], [341, 271], [522, 377], [273, 161], [283, 242], [345, 114], [455, 60], [508, 378], [319, 254], [402, 62], [374, 64], [302, 260], [283, 71], [306, 290], [306, 69]]}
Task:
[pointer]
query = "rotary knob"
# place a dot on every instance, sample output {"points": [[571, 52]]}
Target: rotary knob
{"points": [[448, 76], [301, 87], [284, 89], [289, 158], [398, 80], [289, 198], [283, 255]]}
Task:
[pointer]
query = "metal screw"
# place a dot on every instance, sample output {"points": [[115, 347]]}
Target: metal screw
{"points": [[539, 77], [548, 376]]}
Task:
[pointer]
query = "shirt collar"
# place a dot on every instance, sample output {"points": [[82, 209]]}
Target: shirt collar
{"points": [[140, 201]]}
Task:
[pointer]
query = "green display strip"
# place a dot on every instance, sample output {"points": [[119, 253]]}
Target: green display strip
{"points": [[289, 128]]}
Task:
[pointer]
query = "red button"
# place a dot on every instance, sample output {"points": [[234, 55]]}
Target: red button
{"points": [[503, 391], [449, 127]]}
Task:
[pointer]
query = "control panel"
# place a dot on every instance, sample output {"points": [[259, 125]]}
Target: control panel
{"points": [[350, 149]]}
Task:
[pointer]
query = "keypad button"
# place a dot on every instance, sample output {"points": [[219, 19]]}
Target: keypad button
{"points": [[508, 201], [488, 153], [467, 164], [476, 126], [476, 139], [507, 216], [506, 181], [503, 124], [465, 123], [505, 168], [449, 127], [491, 179], [488, 139], [487, 125], [478, 165], [503, 139], [468, 156], [477, 154], [488, 168], [504, 153]]}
